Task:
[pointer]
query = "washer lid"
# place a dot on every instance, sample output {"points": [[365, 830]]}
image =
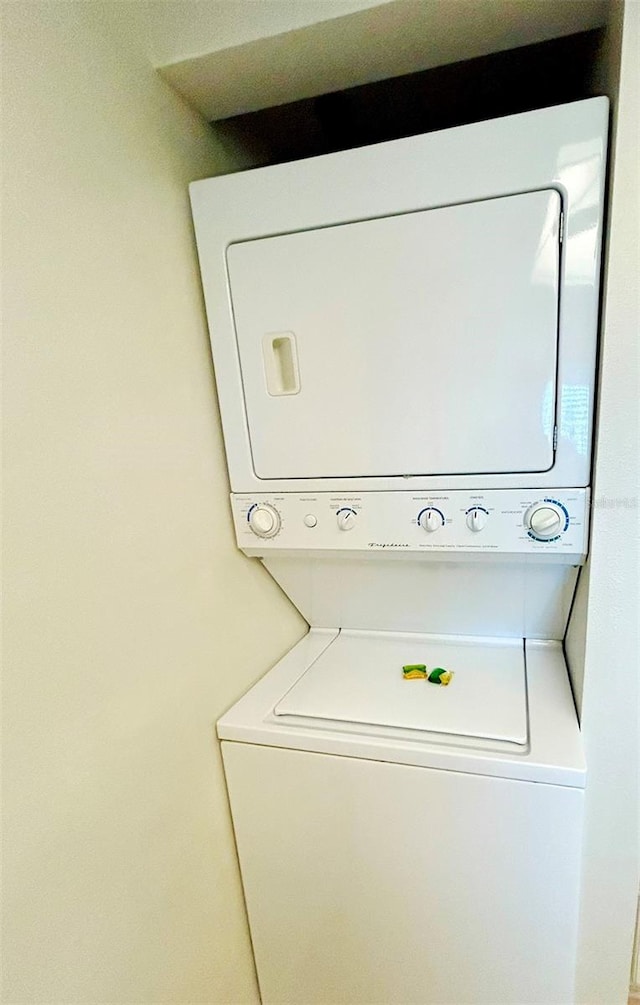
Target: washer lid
{"points": [[359, 679]]}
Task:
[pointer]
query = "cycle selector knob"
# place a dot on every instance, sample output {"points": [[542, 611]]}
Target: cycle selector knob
{"points": [[431, 520], [264, 520], [544, 521], [476, 519], [346, 519]]}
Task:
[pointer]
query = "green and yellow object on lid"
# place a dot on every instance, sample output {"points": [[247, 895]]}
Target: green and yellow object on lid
{"points": [[418, 671], [440, 676], [414, 671]]}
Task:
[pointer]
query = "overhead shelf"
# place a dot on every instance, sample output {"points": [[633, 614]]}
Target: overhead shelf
{"points": [[387, 40]]}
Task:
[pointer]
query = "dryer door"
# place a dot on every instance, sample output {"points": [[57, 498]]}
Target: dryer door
{"points": [[420, 344]]}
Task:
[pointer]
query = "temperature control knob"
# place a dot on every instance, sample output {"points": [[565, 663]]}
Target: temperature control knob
{"points": [[264, 520], [346, 519], [476, 519], [544, 521], [430, 520]]}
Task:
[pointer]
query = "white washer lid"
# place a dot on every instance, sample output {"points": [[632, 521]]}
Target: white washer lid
{"points": [[359, 679]]}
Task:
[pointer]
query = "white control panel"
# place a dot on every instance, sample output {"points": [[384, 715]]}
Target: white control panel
{"points": [[509, 521]]}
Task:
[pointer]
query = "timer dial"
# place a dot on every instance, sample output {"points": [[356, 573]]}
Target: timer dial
{"points": [[431, 519], [264, 520], [544, 521], [476, 519], [346, 519]]}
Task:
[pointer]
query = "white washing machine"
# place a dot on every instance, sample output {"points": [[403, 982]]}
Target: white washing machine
{"points": [[406, 843], [404, 339]]}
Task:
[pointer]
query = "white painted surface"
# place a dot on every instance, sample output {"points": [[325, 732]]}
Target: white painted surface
{"points": [[389, 573], [553, 753], [561, 148], [426, 343], [130, 620], [179, 29], [607, 608], [387, 883], [518, 599], [396, 522], [359, 679], [87, 781], [244, 65]]}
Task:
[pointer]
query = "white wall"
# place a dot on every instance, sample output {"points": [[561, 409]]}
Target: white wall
{"points": [[181, 29], [277, 52], [607, 610], [131, 620]]}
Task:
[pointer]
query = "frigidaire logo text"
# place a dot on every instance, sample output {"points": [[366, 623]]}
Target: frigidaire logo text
{"points": [[377, 544]]}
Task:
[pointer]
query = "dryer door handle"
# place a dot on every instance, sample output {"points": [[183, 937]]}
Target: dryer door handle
{"points": [[280, 357]]}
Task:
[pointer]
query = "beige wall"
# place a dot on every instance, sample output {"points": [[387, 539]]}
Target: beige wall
{"points": [[269, 57], [131, 620], [606, 614], [181, 29]]}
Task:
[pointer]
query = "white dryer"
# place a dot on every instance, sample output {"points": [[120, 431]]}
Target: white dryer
{"points": [[404, 339]]}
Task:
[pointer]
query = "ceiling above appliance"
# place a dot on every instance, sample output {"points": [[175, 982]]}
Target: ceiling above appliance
{"points": [[229, 59]]}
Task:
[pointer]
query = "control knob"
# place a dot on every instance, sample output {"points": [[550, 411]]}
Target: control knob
{"points": [[264, 520], [476, 519], [544, 521], [346, 519], [431, 519]]}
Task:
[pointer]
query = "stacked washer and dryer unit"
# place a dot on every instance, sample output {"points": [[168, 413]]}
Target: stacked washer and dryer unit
{"points": [[404, 340]]}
